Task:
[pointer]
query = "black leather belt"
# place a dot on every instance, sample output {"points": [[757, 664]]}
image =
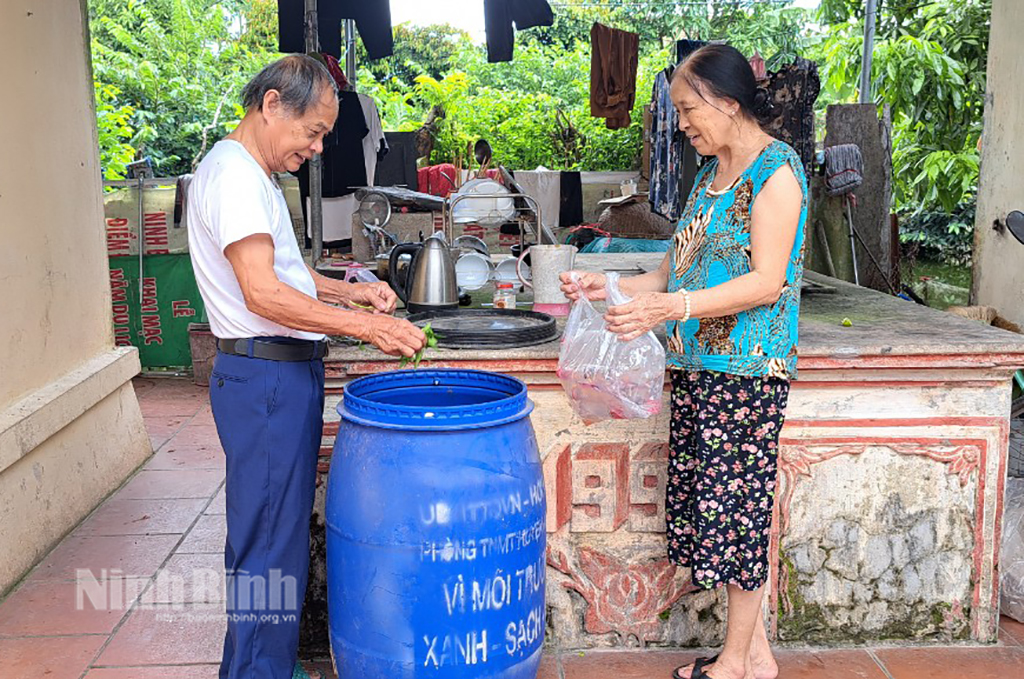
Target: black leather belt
{"points": [[275, 348]]}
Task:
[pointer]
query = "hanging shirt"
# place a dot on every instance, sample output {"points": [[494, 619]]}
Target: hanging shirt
{"points": [[666, 152], [499, 16], [372, 17], [614, 55], [338, 211], [711, 246]]}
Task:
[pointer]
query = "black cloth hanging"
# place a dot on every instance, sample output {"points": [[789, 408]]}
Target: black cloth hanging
{"points": [[342, 161], [570, 199], [499, 16], [685, 48], [372, 17]]}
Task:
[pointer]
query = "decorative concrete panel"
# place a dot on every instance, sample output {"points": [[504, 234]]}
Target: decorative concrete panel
{"points": [[886, 520]]}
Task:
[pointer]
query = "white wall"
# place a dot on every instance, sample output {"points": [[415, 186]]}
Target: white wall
{"points": [[70, 426], [998, 257]]}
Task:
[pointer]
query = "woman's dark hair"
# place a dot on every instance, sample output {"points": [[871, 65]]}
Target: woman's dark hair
{"points": [[723, 71], [298, 78]]}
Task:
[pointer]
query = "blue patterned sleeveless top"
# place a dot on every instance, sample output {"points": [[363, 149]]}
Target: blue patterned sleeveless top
{"points": [[711, 246]]}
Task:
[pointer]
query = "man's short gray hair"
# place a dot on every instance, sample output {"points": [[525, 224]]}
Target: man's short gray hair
{"points": [[299, 80]]}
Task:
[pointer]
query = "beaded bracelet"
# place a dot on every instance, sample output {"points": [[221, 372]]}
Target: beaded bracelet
{"points": [[686, 301]]}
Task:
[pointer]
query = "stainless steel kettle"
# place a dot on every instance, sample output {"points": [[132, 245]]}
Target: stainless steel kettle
{"points": [[430, 283]]}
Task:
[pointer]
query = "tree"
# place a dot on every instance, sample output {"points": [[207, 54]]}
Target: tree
{"points": [[419, 50], [929, 66], [176, 68]]}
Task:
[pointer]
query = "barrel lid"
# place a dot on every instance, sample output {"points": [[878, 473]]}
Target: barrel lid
{"points": [[435, 400]]}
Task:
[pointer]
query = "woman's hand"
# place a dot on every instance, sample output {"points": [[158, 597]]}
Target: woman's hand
{"points": [[591, 284], [647, 310], [378, 296]]}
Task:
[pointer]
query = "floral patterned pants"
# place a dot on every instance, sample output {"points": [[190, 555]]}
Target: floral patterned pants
{"points": [[722, 475]]}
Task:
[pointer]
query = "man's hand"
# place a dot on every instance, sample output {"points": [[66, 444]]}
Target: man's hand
{"points": [[394, 336], [378, 295]]}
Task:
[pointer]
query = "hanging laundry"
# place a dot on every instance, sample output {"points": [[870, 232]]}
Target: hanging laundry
{"points": [[613, 61], [685, 48], [545, 187], [758, 66], [357, 144], [666, 151], [570, 199], [793, 90], [372, 17], [499, 16]]}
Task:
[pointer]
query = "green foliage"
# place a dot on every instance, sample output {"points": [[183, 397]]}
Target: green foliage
{"points": [[940, 236], [426, 50], [177, 66], [929, 66], [114, 128]]}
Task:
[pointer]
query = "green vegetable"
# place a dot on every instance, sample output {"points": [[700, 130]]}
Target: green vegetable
{"points": [[418, 356]]}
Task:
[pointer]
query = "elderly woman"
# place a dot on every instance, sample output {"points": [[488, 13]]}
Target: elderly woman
{"points": [[729, 293]]}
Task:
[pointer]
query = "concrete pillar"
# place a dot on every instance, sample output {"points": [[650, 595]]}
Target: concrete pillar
{"points": [[70, 426], [998, 257]]}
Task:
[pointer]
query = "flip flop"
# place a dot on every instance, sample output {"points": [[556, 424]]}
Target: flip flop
{"points": [[698, 668]]}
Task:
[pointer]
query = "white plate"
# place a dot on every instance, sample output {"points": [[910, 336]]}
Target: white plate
{"points": [[483, 211], [472, 243], [472, 271], [505, 271]]}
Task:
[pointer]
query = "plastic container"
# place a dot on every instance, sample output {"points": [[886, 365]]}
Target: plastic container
{"points": [[436, 529], [504, 296]]}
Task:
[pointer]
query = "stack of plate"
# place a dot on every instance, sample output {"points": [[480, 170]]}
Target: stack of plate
{"points": [[482, 328]]}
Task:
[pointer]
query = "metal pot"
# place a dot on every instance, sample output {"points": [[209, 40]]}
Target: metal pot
{"points": [[384, 267]]}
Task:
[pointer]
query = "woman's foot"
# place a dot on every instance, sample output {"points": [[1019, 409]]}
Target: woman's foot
{"points": [[762, 666]]}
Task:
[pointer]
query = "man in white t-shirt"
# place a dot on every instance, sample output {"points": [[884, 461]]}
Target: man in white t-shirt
{"points": [[270, 313]]}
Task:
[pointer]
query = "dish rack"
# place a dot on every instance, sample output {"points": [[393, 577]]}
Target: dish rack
{"points": [[525, 212]]}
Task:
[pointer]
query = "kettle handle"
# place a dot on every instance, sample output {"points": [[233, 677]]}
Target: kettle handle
{"points": [[396, 252]]}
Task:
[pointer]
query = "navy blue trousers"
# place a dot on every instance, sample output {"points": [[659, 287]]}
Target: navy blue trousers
{"points": [[269, 417]]}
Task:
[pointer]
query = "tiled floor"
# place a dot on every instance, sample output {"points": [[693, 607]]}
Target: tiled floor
{"points": [[169, 520]]}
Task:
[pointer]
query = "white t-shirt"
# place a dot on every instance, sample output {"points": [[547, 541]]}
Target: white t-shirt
{"points": [[338, 212], [231, 198]]}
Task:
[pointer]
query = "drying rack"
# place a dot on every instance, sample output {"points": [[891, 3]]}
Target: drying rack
{"points": [[526, 215]]}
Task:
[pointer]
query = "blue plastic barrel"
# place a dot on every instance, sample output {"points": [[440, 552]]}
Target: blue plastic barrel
{"points": [[435, 529]]}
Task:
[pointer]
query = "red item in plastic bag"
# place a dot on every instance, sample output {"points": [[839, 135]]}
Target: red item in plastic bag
{"points": [[604, 377]]}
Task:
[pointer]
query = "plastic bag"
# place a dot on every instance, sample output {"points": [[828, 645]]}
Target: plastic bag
{"points": [[604, 377], [1011, 558]]}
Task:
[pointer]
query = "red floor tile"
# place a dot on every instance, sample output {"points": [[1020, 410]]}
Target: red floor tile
{"points": [[135, 556], [156, 672], [182, 483], [168, 635], [183, 406], [548, 667], [59, 608], [197, 436], [218, 505], [48, 658], [189, 578], [141, 517], [1013, 630], [624, 665], [174, 456], [207, 537], [161, 428], [852, 664], [994, 662], [203, 417]]}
